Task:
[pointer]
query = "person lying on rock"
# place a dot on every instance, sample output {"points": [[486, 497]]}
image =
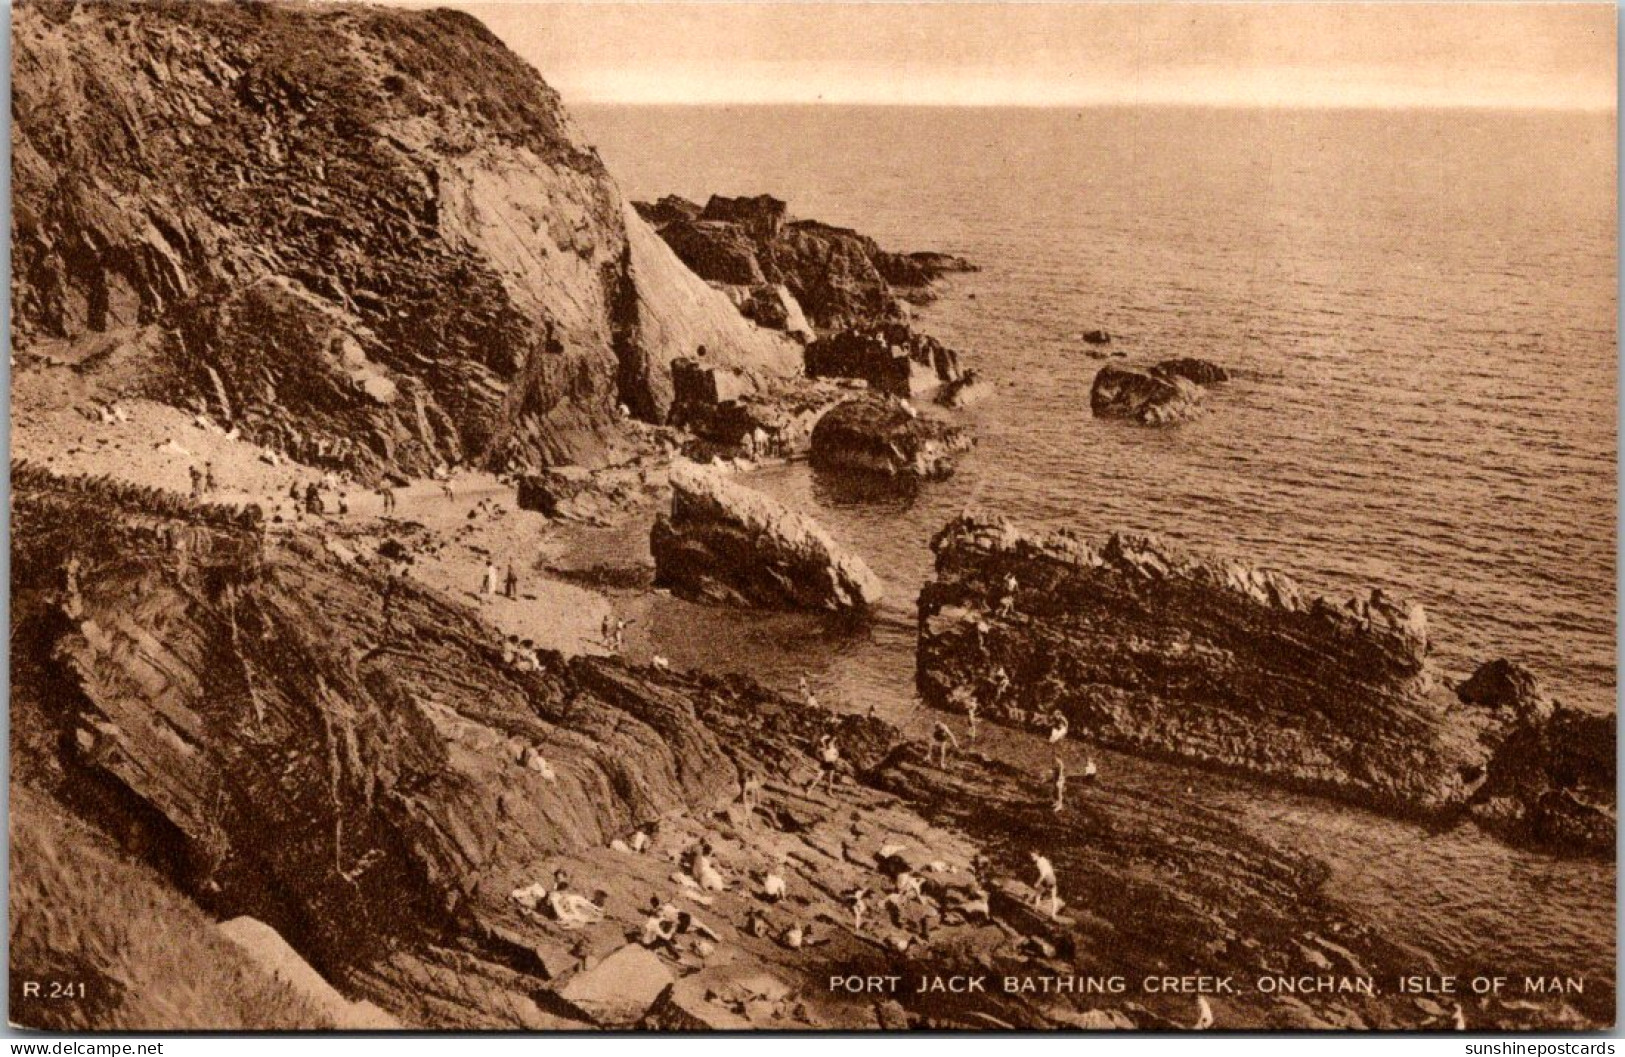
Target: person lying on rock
{"points": [[704, 870]]}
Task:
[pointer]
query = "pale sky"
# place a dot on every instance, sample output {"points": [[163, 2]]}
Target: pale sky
{"points": [[1038, 54]]}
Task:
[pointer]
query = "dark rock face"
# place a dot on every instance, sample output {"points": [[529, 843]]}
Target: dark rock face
{"points": [[1504, 684], [881, 436], [726, 543], [1150, 649], [1165, 394], [1552, 781], [308, 222], [547, 492], [839, 278], [893, 358]]}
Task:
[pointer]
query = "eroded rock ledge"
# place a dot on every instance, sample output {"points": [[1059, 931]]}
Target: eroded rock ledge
{"points": [[1148, 648], [724, 542]]}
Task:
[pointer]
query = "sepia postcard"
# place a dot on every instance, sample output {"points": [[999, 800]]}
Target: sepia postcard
{"points": [[810, 516]]}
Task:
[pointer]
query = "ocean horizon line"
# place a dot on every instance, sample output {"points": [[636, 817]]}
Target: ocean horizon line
{"points": [[808, 104]]}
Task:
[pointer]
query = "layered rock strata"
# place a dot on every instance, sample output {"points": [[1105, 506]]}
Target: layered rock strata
{"points": [[1146, 647]]}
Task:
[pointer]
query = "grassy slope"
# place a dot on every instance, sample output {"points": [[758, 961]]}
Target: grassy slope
{"points": [[82, 911]]}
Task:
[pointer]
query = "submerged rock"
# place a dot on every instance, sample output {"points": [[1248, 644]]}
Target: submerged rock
{"points": [[1167, 393], [724, 542], [881, 436], [1148, 648]]}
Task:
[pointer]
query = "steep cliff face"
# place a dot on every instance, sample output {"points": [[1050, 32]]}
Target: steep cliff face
{"points": [[1147, 648], [364, 236], [365, 782]]}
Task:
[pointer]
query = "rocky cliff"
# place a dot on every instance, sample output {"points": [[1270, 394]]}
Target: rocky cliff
{"points": [[725, 542], [836, 276], [1149, 648], [366, 237]]}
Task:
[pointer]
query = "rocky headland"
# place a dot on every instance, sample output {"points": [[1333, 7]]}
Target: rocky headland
{"points": [[835, 278], [1143, 646]]}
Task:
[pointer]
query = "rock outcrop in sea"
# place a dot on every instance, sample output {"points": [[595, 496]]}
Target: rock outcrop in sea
{"points": [[892, 358], [1166, 393], [367, 239], [1146, 647], [887, 437], [723, 542], [1552, 779], [835, 276]]}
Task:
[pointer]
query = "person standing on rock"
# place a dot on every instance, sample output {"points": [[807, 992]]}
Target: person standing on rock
{"points": [[489, 585], [510, 583], [197, 481], [941, 739], [829, 759], [1058, 780], [1001, 683], [970, 716], [387, 494], [1046, 885], [208, 477]]}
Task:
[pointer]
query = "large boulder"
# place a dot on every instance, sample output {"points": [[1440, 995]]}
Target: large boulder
{"points": [[1504, 684], [724, 542], [1151, 648], [877, 435], [1144, 396], [619, 990]]}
